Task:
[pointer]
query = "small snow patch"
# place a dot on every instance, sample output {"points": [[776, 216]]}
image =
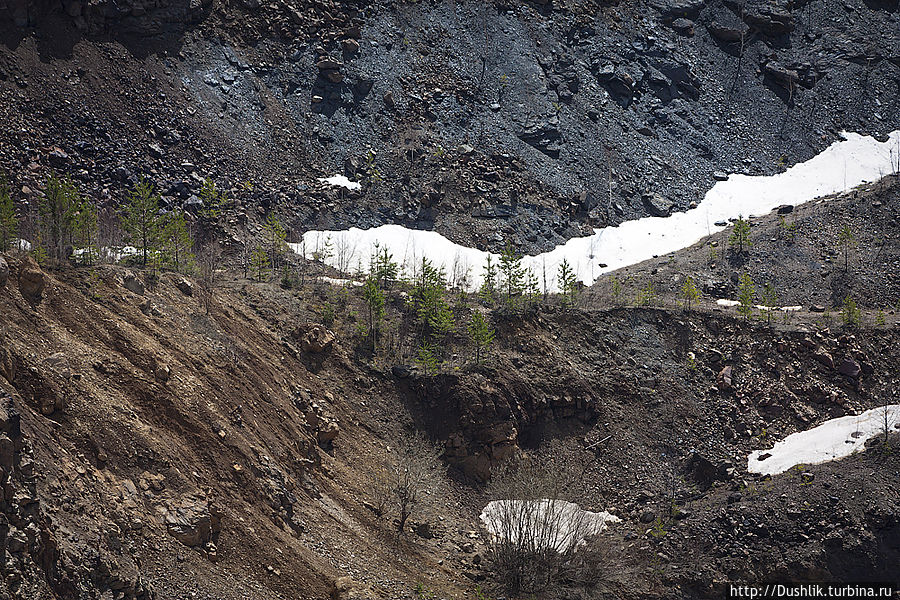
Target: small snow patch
{"points": [[341, 282], [341, 181], [829, 441]]}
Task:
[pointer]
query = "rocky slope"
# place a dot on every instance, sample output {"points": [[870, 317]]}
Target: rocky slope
{"points": [[150, 448], [490, 122], [154, 451]]}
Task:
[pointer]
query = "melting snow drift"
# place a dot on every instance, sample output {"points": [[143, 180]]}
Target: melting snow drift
{"points": [[842, 166], [543, 524], [341, 181], [829, 441]]}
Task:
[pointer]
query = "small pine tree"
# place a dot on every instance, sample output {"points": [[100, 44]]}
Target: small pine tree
{"points": [[57, 213], [740, 235], [850, 313], [616, 290], [141, 219], [567, 282], [9, 224], [259, 264], [488, 291], [880, 320], [689, 293], [532, 289], [847, 241], [375, 304], [383, 267], [512, 276], [275, 239], [481, 334], [176, 242], [769, 300], [214, 201], [428, 357], [647, 296], [86, 231], [746, 295]]}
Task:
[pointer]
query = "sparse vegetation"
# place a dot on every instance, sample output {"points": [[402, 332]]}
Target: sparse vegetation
{"points": [[689, 293], [567, 282], [481, 334], [847, 241], [746, 295], [740, 235], [9, 223], [141, 219], [415, 476], [850, 313]]}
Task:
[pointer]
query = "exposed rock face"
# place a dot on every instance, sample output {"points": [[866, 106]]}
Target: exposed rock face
{"points": [[132, 283], [32, 281], [4, 273], [194, 523]]}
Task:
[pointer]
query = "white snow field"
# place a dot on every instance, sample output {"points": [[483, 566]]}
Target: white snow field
{"points": [[842, 166], [829, 441], [543, 524]]}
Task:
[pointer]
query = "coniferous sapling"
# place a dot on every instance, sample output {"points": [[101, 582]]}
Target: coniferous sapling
{"points": [[481, 333], [740, 235], [375, 304], [141, 219], [9, 224], [746, 295], [689, 293]]}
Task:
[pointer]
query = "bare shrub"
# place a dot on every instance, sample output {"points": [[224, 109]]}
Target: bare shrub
{"points": [[537, 536], [412, 479], [208, 262]]}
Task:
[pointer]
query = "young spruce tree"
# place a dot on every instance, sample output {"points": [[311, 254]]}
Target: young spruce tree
{"points": [[141, 220], [9, 224]]}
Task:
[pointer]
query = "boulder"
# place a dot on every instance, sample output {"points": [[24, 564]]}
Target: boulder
{"points": [[402, 371], [784, 76], [185, 286], [725, 33], [32, 281], [657, 205], [724, 380], [328, 432], [133, 283], [194, 522], [673, 9], [771, 21], [345, 588], [824, 358], [849, 368], [316, 339], [683, 26], [4, 273]]}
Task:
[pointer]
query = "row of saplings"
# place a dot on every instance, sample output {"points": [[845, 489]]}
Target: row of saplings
{"points": [[67, 225], [538, 540], [432, 315]]}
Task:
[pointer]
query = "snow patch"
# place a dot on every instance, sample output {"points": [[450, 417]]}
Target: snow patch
{"points": [[842, 166], [543, 524], [341, 282], [829, 441], [729, 303], [341, 181]]}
